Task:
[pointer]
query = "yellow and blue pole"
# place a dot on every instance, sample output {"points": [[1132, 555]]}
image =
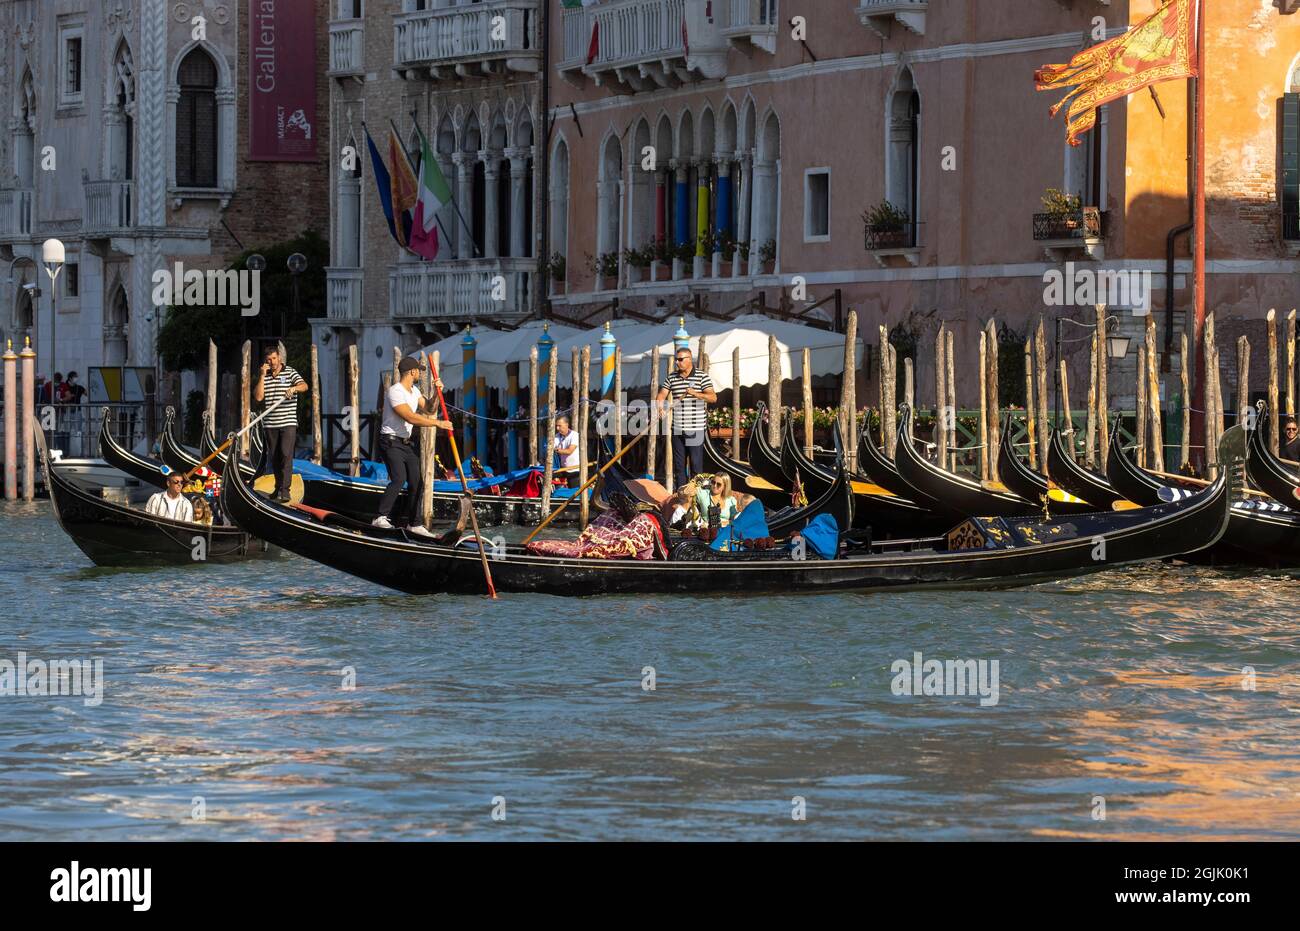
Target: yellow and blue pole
{"points": [[681, 339], [469, 388], [545, 346]]}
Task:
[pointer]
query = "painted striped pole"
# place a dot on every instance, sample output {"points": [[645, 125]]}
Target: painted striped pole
{"points": [[607, 346], [481, 398], [11, 422], [512, 411], [468, 392], [681, 339], [545, 346]]}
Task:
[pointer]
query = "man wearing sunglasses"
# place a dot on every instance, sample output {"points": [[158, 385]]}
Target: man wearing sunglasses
{"points": [[1290, 440], [171, 503], [692, 392]]}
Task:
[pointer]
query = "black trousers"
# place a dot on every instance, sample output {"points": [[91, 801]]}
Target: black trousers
{"points": [[282, 441], [403, 468], [688, 456]]}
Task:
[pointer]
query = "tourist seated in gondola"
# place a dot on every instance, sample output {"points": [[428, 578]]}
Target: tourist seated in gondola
{"points": [[171, 503], [202, 512], [622, 532], [716, 491], [1290, 448]]}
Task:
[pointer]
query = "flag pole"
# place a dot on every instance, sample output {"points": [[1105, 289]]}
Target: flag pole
{"points": [[478, 251], [1198, 233]]}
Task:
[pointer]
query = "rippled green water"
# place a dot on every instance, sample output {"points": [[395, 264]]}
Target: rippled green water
{"points": [[225, 683]]}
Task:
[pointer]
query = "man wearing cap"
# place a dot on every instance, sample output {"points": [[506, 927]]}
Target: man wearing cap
{"points": [[403, 409]]}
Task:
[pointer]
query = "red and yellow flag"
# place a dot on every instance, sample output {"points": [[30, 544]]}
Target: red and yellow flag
{"points": [[406, 189], [1162, 48]]}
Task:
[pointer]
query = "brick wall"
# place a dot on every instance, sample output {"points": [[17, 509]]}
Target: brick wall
{"points": [[275, 201]]}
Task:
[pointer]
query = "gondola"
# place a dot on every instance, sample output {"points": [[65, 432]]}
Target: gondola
{"points": [[966, 496], [743, 477], [763, 459], [836, 499], [880, 470], [874, 507], [1077, 480], [181, 459], [1259, 533], [117, 535], [1031, 486], [149, 471], [994, 553], [1265, 469]]}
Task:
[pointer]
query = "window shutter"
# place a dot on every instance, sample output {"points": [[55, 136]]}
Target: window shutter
{"points": [[1290, 165]]}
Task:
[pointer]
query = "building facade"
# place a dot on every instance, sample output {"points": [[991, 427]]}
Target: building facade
{"points": [[896, 150], [886, 156], [128, 140], [468, 76]]}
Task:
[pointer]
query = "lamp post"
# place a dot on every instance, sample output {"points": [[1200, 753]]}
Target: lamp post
{"points": [[1116, 348], [254, 263], [52, 257], [297, 264]]}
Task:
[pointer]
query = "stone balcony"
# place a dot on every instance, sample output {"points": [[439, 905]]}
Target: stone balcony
{"points": [[16, 207], [462, 289], [880, 15], [752, 21], [109, 208], [639, 45], [457, 40], [347, 48], [343, 293]]}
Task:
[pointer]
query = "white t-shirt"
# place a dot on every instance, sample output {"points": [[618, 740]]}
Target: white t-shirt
{"points": [[393, 424], [178, 508], [571, 438]]}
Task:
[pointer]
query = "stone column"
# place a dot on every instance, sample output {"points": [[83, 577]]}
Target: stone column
{"points": [[761, 233], [491, 225], [746, 194], [449, 232], [465, 198], [520, 234]]}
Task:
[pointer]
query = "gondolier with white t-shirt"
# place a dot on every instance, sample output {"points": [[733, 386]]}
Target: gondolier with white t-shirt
{"points": [[276, 381], [692, 392], [404, 409]]}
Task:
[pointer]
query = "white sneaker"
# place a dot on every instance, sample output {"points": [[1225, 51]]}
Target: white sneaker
{"points": [[382, 523], [420, 531]]}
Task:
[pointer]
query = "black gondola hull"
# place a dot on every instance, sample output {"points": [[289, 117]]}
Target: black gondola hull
{"points": [[1071, 549]]}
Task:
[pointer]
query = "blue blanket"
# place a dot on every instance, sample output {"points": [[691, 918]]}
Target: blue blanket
{"points": [[374, 473], [750, 524]]}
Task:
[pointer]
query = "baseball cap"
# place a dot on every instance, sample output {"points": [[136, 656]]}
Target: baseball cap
{"points": [[406, 365]]}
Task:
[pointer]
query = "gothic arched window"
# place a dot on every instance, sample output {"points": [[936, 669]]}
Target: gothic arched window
{"points": [[196, 122]]}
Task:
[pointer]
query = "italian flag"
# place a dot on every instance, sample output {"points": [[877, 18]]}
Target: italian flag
{"points": [[434, 194]]}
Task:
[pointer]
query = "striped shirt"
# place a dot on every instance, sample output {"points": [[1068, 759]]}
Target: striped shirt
{"points": [[274, 387], [689, 414]]}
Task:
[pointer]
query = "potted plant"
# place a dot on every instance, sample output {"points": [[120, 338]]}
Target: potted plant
{"points": [[605, 268], [740, 259], [886, 226], [1064, 211], [767, 256], [554, 271], [683, 252], [661, 260], [637, 260]]}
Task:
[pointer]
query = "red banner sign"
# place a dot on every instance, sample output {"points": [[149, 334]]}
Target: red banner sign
{"points": [[282, 81]]}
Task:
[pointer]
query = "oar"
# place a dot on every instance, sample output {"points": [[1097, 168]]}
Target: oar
{"points": [[1203, 483], [591, 481], [460, 470], [234, 436]]}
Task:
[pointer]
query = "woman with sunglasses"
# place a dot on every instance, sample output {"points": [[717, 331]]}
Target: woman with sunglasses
{"points": [[718, 491]]}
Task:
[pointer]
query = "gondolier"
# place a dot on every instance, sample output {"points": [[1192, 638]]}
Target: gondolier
{"points": [[275, 382], [692, 392], [403, 410]]}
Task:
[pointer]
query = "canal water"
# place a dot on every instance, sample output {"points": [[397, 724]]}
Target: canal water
{"points": [[1153, 702]]}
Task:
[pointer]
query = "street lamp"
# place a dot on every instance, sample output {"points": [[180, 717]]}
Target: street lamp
{"points": [[52, 257], [254, 263], [1116, 348], [297, 265]]}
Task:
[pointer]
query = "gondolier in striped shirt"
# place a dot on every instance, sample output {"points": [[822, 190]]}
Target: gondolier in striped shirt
{"points": [[275, 382], [692, 392]]}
